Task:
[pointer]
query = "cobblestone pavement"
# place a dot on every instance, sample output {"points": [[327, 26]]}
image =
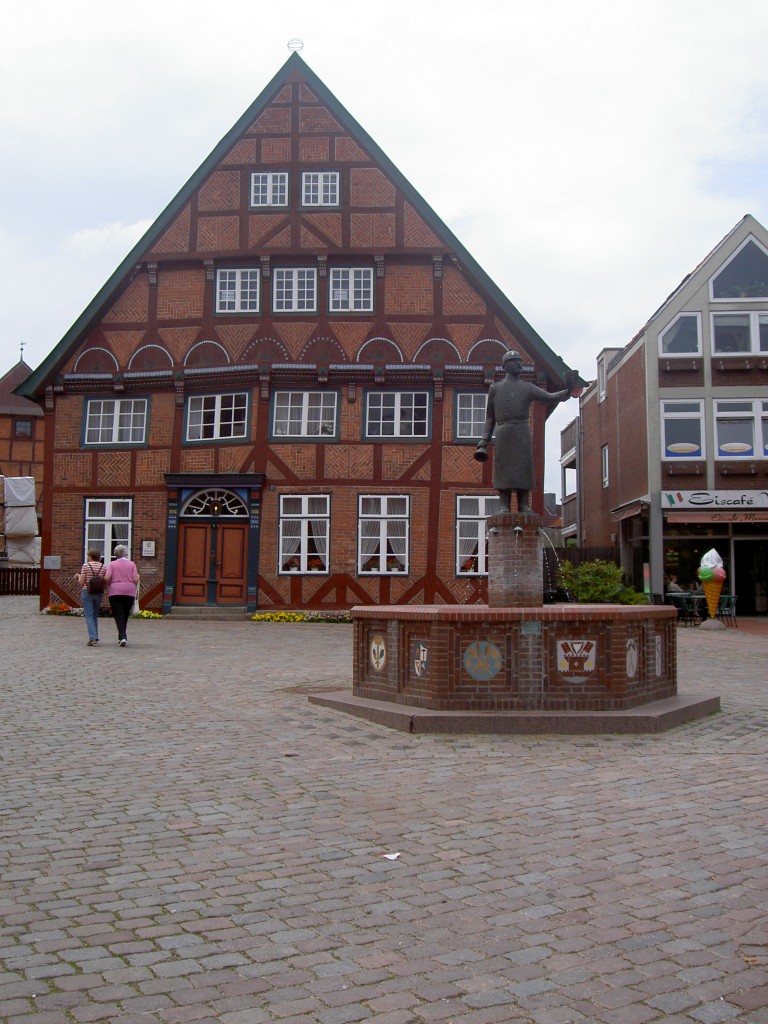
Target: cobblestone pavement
{"points": [[185, 838]]}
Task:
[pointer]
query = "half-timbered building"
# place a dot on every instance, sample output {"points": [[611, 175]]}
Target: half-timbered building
{"points": [[273, 401]]}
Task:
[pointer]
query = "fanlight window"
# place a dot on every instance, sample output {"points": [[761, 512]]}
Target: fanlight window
{"points": [[215, 502]]}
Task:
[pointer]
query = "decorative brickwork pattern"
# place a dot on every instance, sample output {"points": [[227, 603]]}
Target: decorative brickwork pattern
{"points": [[349, 462], [235, 337], [262, 227], [370, 187], [151, 465], [299, 458], [133, 304], [463, 337], [243, 152], [235, 459], [296, 335], [220, 192], [352, 335], [178, 340], [180, 294], [275, 151], [409, 336], [313, 149], [274, 119], [323, 352], [285, 95], [508, 337], [459, 297], [176, 238], [113, 469], [197, 460], [372, 230], [218, 233], [408, 290], [317, 119], [327, 225], [417, 233], [72, 470], [459, 467], [123, 344], [398, 459], [347, 149]]}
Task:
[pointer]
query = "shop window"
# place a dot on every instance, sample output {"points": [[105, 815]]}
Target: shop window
{"points": [[383, 530], [682, 430], [472, 512]]}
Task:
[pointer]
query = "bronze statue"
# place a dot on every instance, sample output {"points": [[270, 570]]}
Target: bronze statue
{"points": [[509, 403]]}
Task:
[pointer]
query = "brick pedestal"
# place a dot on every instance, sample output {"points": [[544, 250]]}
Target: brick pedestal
{"points": [[515, 561]]}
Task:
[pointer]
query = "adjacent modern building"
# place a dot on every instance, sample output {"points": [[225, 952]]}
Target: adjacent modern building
{"points": [[670, 448], [274, 399]]}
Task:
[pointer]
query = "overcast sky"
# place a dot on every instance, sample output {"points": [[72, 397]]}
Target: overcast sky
{"points": [[608, 145]]}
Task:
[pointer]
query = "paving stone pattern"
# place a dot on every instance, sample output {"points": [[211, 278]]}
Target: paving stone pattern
{"points": [[183, 837]]}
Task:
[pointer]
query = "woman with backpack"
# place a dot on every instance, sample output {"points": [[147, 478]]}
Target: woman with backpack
{"points": [[92, 579]]}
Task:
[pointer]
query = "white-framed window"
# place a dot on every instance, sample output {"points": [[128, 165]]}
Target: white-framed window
{"points": [[217, 417], [304, 530], [269, 188], [107, 524], [604, 464], [116, 421], [383, 530], [601, 379], [741, 429], [682, 430], [304, 413], [739, 333], [237, 290], [682, 337], [350, 290], [320, 188], [397, 414], [294, 290], [744, 276], [471, 535], [470, 415]]}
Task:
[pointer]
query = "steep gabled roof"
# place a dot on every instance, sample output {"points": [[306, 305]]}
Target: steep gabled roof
{"points": [[12, 404], [293, 68]]}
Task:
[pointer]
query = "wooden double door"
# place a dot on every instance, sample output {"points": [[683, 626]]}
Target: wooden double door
{"points": [[212, 562]]}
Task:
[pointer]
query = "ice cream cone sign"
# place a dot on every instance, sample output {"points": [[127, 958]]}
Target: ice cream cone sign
{"points": [[712, 576]]}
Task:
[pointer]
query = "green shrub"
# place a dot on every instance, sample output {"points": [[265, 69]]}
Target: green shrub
{"points": [[597, 581]]}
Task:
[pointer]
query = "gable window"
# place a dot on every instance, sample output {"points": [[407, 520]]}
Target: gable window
{"points": [[739, 333], [237, 291], [682, 337], [737, 426], [304, 414], [744, 276], [351, 290], [107, 524], [383, 528], [269, 188], [304, 528], [397, 414], [217, 417], [604, 464], [320, 188], [294, 290], [116, 421], [470, 415], [22, 428], [682, 430], [471, 535]]}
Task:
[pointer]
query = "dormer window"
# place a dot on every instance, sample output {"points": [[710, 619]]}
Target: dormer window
{"points": [[744, 276]]}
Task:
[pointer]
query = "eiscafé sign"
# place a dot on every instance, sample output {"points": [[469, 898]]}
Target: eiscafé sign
{"points": [[718, 506]]}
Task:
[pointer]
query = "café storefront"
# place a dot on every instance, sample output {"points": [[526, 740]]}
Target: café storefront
{"points": [[735, 523]]}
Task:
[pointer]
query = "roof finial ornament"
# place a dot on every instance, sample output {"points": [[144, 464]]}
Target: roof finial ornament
{"points": [[295, 45], [21, 351]]}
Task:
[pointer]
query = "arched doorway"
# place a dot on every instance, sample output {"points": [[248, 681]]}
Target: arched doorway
{"points": [[212, 564]]}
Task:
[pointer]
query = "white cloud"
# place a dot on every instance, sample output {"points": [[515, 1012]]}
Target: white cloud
{"points": [[105, 242]]}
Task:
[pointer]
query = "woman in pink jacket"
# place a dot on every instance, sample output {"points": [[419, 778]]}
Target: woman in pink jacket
{"points": [[122, 579]]}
